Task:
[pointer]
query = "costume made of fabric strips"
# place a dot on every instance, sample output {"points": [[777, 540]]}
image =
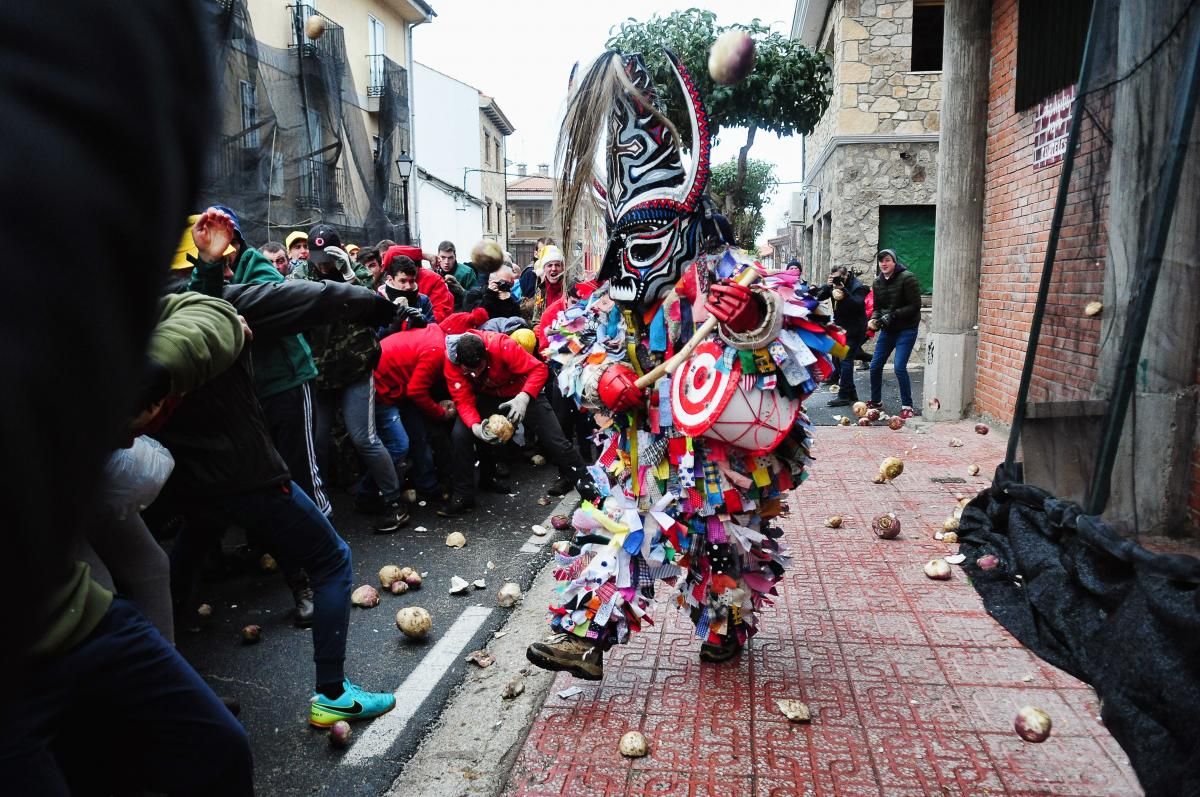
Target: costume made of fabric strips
{"points": [[690, 479], [690, 485]]}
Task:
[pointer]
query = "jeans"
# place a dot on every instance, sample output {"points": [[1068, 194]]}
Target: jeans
{"points": [[298, 535], [846, 387], [539, 419], [902, 343], [121, 712], [358, 409], [404, 434]]}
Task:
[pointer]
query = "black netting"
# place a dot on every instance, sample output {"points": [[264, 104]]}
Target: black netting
{"points": [[1106, 610], [1088, 599], [294, 147]]}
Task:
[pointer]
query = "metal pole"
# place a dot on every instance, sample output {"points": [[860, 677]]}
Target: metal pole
{"points": [[404, 198], [1060, 203], [297, 18], [1142, 296]]}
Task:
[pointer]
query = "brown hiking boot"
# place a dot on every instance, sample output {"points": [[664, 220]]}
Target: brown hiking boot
{"points": [[580, 657]]}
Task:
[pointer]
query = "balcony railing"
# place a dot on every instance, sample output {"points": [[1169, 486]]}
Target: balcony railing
{"points": [[239, 164], [329, 45], [322, 187], [393, 203], [384, 75]]}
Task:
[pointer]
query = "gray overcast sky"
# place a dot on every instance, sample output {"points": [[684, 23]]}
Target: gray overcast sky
{"points": [[521, 52]]}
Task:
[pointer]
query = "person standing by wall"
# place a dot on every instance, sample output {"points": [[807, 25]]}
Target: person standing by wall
{"points": [[849, 312], [895, 317]]}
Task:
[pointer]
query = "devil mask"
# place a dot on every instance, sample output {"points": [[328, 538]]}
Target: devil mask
{"points": [[655, 210]]}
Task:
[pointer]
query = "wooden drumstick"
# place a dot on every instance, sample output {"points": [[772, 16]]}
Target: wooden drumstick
{"points": [[748, 277]]}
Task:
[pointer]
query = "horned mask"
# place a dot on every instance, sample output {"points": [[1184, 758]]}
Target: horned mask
{"points": [[655, 209]]}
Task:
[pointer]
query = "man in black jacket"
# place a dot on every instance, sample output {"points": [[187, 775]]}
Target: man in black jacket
{"points": [[228, 472], [896, 316], [849, 297]]}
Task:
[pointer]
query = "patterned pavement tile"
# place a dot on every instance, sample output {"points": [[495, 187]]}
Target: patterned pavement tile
{"points": [[567, 779], [887, 662], [988, 666], [965, 629], [913, 687], [1062, 765], [994, 708], [659, 783], [935, 760], [918, 708], [834, 760]]}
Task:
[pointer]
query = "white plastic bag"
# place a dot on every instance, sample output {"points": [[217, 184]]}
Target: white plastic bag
{"points": [[135, 475]]}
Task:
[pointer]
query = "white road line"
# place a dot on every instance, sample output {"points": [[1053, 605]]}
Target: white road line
{"points": [[382, 732], [536, 543]]}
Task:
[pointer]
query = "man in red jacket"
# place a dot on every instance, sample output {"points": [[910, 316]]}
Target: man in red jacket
{"points": [[488, 372], [407, 377], [429, 282]]}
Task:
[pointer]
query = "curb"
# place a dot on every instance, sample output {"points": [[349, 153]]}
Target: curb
{"points": [[474, 744]]}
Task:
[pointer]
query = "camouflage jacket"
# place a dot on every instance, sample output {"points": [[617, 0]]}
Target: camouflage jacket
{"points": [[345, 351]]}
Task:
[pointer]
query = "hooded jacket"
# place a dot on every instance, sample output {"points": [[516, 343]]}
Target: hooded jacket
{"points": [[429, 282], [217, 432], [897, 300], [280, 363], [510, 370], [410, 366]]}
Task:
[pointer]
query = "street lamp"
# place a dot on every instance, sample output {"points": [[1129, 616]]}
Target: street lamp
{"points": [[405, 164]]}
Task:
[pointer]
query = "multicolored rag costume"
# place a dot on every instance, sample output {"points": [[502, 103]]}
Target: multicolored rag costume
{"points": [[691, 476]]}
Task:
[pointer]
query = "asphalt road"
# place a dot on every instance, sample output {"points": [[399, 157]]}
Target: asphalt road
{"points": [[273, 679], [821, 414]]}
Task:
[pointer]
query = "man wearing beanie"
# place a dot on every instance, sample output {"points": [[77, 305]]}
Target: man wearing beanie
{"points": [[346, 355]]}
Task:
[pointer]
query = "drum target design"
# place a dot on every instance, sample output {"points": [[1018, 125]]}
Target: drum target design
{"points": [[725, 406], [699, 391]]}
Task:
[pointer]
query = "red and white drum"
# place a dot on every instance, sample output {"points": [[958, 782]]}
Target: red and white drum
{"points": [[721, 405]]}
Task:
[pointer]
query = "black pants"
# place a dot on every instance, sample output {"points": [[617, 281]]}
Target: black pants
{"points": [[291, 422], [575, 423], [121, 712], [846, 388], [539, 420]]}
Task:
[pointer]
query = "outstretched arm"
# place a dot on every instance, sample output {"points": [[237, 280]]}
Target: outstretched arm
{"points": [[285, 308]]}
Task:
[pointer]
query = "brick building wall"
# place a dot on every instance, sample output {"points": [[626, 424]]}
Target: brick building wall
{"points": [[1018, 209]]}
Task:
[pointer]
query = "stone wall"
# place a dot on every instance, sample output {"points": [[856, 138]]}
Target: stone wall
{"points": [[873, 90], [855, 181]]}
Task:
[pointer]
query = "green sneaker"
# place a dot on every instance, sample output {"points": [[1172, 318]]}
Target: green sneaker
{"points": [[354, 704]]}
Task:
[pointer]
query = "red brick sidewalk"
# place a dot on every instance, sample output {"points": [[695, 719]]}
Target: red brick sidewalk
{"points": [[912, 685]]}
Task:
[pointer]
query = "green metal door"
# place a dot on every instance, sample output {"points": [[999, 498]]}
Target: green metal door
{"points": [[909, 230]]}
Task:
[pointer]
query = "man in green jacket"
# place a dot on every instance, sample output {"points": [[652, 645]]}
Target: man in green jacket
{"points": [[283, 373], [227, 472], [283, 367]]}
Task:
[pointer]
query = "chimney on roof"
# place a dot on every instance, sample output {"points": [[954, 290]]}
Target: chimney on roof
{"points": [[522, 170], [544, 169]]}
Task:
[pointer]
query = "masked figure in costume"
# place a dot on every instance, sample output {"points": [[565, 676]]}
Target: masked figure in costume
{"points": [[694, 462]]}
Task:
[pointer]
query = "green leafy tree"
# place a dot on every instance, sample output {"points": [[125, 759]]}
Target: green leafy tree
{"points": [[785, 94], [744, 204]]}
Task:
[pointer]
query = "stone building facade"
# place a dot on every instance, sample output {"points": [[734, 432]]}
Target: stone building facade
{"points": [[871, 162], [494, 130]]}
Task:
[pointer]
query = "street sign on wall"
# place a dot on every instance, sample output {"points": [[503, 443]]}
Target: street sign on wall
{"points": [[1052, 124]]}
